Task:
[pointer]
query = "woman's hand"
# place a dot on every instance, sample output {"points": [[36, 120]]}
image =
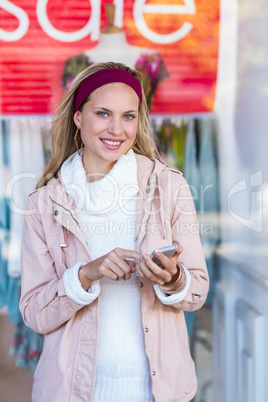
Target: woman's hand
{"points": [[146, 268], [113, 265]]}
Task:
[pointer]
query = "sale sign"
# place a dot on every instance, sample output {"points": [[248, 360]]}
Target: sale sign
{"points": [[45, 43]]}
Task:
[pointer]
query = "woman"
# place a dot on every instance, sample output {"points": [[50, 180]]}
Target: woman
{"points": [[113, 319]]}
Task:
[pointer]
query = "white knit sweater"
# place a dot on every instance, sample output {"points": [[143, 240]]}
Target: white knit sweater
{"points": [[106, 213]]}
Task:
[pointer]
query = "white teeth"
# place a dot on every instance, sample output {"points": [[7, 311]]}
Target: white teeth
{"points": [[112, 142]]}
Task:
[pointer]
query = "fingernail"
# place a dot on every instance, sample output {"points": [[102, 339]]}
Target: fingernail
{"points": [[145, 257]]}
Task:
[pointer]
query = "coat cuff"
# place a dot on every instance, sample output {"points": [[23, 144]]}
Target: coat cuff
{"points": [[74, 289], [176, 297]]}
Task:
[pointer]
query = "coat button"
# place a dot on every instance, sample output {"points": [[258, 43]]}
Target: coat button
{"points": [[148, 190], [153, 373], [141, 284], [56, 212], [136, 238], [146, 329]]}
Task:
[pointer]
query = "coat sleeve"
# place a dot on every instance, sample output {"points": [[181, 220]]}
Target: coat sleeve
{"points": [[185, 231], [44, 304]]}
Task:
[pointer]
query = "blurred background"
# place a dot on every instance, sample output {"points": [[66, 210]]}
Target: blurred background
{"points": [[205, 70]]}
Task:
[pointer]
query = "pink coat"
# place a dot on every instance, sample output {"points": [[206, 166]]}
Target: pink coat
{"points": [[52, 242]]}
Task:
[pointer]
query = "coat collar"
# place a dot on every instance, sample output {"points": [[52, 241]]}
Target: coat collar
{"points": [[148, 173], [100, 197], [146, 169]]}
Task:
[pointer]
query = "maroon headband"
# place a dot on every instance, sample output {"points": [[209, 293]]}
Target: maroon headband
{"points": [[101, 78]]}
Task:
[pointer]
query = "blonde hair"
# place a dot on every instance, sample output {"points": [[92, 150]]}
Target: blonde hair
{"points": [[64, 128]]}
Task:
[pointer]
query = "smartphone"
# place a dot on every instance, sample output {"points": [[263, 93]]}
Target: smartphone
{"points": [[168, 251]]}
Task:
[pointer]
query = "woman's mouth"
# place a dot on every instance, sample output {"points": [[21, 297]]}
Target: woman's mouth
{"points": [[111, 144]]}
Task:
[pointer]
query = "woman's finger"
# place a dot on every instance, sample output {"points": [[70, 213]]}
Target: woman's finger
{"points": [[167, 266], [129, 254], [132, 264], [177, 253], [125, 265], [153, 272], [145, 272], [114, 271]]}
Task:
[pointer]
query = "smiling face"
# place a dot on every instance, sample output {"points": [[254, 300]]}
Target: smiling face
{"points": [[108, 124]]}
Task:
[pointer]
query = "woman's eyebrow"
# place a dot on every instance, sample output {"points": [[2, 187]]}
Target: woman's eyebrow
{"points": [[108, 110], [103, 108], [131, 111]]}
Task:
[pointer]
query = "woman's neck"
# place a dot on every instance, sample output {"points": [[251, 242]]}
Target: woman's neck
{"points": [[96, 171]]}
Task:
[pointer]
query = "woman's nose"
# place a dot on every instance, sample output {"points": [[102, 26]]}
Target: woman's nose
{"points": [[115, 126]]}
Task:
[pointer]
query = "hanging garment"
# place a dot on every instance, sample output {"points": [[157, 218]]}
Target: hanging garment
{"points": [[166, 136], [27, 346], [178, 133], [209, 198], [4, 214], [191, 173], [191, 169], [21, 156], [173, 137], [208, 168], [26, 160], [9, 293]]}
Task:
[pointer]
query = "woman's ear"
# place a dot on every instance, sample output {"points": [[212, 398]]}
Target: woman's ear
{"points": [[77, 119]]}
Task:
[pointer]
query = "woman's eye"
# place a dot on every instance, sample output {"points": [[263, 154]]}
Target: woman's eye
{"points": [[129, 116], [102, 114]]}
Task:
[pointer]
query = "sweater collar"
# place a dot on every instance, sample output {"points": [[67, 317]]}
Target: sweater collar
{"points": [[102, 196]]}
